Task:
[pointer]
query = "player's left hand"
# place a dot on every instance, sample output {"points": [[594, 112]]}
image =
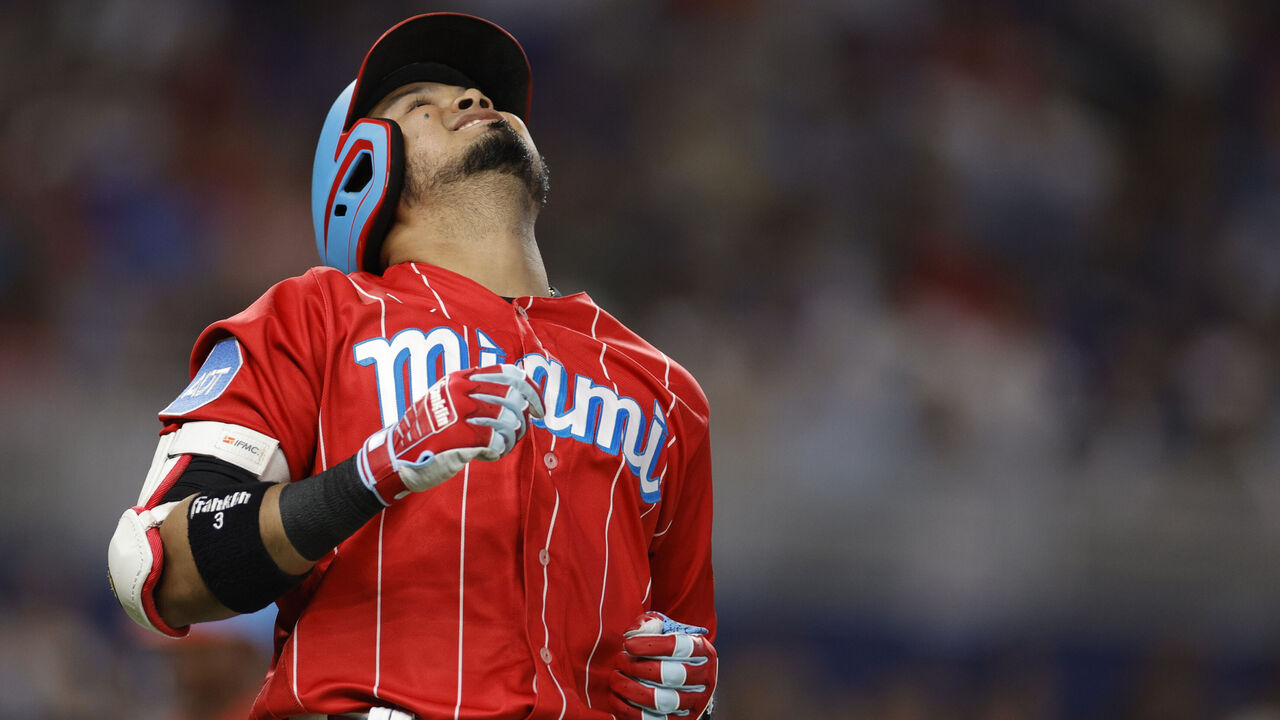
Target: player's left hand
{"points": [[666, 669]]}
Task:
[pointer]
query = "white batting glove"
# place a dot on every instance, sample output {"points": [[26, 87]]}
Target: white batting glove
{"points": [[429, 445]]}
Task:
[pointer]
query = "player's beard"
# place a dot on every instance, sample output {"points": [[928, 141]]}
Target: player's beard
{"points": [[500, 150]]}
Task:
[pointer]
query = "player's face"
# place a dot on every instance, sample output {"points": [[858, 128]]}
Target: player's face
{"points": [[452, 132]]}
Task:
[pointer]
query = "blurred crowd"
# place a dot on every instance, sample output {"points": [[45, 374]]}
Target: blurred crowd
{"points": [[985, 295]]}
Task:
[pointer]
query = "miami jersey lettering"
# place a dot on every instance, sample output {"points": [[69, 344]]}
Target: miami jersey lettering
{"points": [[583, 410]]}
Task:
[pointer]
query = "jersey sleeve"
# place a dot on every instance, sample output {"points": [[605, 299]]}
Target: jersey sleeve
{"points": [[263, 369], [680, 554]]}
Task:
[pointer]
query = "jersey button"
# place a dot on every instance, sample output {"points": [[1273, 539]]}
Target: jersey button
{"points": [[544, 557], [545, 654], [550, 460]]}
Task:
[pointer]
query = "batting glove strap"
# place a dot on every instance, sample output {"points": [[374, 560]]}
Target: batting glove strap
{"points": [[376, 468]]}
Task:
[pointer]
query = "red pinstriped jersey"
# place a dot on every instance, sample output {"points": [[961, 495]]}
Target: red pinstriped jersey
{"points": [[502, 593]]}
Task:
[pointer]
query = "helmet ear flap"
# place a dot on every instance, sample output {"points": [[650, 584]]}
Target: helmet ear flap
{"points": [[355, 188], [385, 213]]}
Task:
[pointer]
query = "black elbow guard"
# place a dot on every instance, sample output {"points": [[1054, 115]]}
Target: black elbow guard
{"points": [[226, 543]]}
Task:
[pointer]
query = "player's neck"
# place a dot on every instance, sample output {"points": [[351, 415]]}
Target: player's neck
{"points": [[482, 233]]}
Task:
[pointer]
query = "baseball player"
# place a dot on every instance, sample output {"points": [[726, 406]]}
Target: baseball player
{"points": [[468, 495]]}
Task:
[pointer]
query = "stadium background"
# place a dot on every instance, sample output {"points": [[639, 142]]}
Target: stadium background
{"points": [[985, 295]]}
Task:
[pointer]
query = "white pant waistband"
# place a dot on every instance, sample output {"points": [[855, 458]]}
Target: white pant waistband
{"points": [[373, 714]]}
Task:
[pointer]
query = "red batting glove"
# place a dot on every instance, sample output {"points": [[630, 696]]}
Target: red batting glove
{"points": [[665, 669], [467, 414]]}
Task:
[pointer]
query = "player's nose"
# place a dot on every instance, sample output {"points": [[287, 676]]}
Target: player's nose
{"points": [[472, 98]]}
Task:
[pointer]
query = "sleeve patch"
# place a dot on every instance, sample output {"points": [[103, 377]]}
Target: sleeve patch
{"points": [[214, 377]]}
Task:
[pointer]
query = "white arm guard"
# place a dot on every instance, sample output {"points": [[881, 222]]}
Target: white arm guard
{"points": [[135, 556], [134, 561]]}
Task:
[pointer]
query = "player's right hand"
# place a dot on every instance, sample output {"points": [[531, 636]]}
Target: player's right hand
{"points": [[468, 414]]}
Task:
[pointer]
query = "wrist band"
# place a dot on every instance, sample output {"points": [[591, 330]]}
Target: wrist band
{"points": [[323, 510], [226, 543]]}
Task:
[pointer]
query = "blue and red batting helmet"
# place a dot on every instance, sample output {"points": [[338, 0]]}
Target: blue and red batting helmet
{"points": [[359, 164]]}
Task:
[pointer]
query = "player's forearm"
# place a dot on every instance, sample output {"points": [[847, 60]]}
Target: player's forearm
{"points": [[182, 596], [240, 548], [237, 549]]}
